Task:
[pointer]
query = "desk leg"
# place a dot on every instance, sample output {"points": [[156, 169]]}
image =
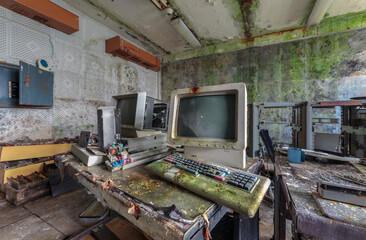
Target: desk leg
{"points": [[279, 211], [246, 228]]}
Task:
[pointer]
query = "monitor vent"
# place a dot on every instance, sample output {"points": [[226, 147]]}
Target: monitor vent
{"points": [[40, 19]]}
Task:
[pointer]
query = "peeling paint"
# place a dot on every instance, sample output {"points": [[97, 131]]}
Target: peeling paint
{"points": [[275, 16], [211, 20]]}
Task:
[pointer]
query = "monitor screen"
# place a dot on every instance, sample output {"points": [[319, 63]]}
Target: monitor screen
{"points": [[128, 110], [208, 116]]}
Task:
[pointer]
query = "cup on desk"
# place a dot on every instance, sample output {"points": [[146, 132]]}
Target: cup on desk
{"points": [[295, 155]]}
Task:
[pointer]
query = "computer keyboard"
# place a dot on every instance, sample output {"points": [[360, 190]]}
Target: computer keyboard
{"points": [[238, 179], [235, 189]]}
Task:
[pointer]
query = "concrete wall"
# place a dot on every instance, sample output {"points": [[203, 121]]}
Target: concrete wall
{"points": [[322, 68], [85, 76]]}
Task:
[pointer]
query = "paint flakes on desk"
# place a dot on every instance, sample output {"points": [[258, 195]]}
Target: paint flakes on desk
{"points": [[143, 186], [107, 185]]}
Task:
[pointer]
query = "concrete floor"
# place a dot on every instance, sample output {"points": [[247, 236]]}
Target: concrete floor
{"points": [[56, 218]]}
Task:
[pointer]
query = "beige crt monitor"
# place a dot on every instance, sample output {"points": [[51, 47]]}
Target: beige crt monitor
{"points": [[211, 123]]}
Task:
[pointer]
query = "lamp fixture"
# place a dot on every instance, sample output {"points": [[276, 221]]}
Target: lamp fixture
{"points": [[319, 10], [185, 32]]}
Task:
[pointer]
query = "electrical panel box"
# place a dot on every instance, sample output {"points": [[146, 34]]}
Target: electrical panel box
{"points": [[9, 85], [25, 86]]}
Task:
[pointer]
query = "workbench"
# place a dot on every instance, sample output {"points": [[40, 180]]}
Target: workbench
{"points": [[295, 185], [159, 208]]}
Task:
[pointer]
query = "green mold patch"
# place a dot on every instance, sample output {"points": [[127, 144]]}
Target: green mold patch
{"points": [[58, 132], [237, 12], [142, 186]]}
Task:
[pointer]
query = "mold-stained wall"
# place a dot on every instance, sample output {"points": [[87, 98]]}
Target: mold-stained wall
{"points": [[85, 76], [322, 68]]}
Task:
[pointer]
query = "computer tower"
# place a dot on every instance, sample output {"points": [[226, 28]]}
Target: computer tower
{"points": [[109, 126]]}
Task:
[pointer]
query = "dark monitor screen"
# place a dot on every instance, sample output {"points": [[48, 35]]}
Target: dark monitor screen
{"points": [[211, 116], [128, 110]]}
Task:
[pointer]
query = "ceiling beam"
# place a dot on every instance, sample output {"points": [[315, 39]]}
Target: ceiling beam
{"points": [[319, 10]]}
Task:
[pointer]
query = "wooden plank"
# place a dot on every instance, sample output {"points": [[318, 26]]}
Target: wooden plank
{"points": [[88, 237], [11, 153], [62, 212], [10, 214], [103, 233], [123, 229], [25, 170], [30, 228], [19, 197]]}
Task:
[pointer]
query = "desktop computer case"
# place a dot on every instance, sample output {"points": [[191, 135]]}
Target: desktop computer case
{"points": [[109, 126]]}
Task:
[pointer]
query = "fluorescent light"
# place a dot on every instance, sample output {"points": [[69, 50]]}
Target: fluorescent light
{"points": [[319, 10], [185, 32]]}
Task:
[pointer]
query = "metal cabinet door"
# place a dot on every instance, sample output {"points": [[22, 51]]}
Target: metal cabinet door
{"points": [[35, 85]]}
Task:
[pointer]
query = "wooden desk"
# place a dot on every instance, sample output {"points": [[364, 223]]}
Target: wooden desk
{"points": [[150, 197], [294, 184]]}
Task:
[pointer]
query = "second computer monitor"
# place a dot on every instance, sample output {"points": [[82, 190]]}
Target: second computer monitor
{"points": [[140, 112], [211, 122]]}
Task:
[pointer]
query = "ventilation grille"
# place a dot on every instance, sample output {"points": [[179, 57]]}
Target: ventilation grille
{"points": [[40, 19]]}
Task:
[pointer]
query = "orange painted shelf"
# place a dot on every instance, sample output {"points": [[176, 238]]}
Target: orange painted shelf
{"points": [[12, 153], [123, 49]]}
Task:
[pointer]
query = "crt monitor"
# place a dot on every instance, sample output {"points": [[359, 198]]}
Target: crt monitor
{"points": [[211, 122], [139, 112]]}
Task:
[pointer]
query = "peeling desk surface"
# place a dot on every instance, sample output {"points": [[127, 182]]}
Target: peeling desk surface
{"points": [[149, 190], [301, 181]]}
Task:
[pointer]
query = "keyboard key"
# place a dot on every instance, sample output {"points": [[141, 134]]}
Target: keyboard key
{"points": [[217, 177]]}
